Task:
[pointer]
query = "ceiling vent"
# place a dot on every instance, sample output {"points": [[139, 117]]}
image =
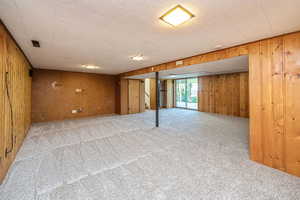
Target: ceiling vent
{"points": [[36, 43]]}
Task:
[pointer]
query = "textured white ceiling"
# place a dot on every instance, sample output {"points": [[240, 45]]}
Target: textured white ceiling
{"points": [[107, 33], [230, 65]]}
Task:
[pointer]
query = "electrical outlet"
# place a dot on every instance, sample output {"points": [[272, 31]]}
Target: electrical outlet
{"points": [[75, 111]]}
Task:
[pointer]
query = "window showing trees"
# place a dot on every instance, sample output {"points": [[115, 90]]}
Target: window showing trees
{"points": [[187, 93]]}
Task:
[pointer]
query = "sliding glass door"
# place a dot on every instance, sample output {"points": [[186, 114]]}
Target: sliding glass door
{"points": [[181, 93], [192, 93], [187, 93]]}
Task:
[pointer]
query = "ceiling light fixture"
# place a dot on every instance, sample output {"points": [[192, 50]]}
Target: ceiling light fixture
{"points": [[177, 15], [90, 66], [137, 57], [219, 46]]}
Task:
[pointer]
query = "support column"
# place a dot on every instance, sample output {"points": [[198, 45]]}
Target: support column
{"points": [[157, 99]]}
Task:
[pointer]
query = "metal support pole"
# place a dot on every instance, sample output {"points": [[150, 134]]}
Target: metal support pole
{"points": [[157, 99]]}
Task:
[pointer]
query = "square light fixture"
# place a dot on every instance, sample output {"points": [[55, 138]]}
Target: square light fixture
{"points": [[177, 15]]}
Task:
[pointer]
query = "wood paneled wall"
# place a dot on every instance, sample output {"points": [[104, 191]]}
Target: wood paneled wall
{"points": [[15, 100], [142, 96], [152, 94], [123, 96], [132, 96], [166, 92], [288, 86], [274, 85], [226, 94], [54, 95], [170, 93], [275, 105]]}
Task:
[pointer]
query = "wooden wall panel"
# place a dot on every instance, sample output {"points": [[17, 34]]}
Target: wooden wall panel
{"points": [[54, 95], [292, 102], [124, 96], [170, 92], [255, 85], [163, 93], [152, 94], [2, 103], [142, 96], [166, 94], [244, 94], [270, 78], [278, 102], [224, 94], [266, 97], [15, 100], [134, 96]]}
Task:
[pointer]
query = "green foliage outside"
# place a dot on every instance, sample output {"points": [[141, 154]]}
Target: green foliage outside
{"points": [[184, 90]]}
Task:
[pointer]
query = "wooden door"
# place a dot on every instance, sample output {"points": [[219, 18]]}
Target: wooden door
{"points": [[124, 96], [142, 96], [133, 96]]}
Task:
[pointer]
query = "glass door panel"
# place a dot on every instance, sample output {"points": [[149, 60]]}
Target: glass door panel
{"points": [[187, 93], [192, 93], [181, 93]]}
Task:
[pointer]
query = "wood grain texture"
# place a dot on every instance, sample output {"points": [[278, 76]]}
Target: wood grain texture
{"points": [[142, 96], [123, 96], [132, 96], [163, 93], [166, 94], [292, 102], [274, 68], [267, 103], [198, 59], [255, 85], [152, 94], [54, 95], [224, 94], [244, 94], [170, 92], [13, 125]]}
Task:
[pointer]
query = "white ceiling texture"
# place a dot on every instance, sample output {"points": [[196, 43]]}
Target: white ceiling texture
{"points": [[108, 32]]}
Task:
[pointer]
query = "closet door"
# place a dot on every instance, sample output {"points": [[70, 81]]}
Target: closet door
{"points": [[133, 96], [142, 96]]}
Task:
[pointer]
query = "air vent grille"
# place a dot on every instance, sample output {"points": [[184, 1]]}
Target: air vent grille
{"points": [[36, 43]]}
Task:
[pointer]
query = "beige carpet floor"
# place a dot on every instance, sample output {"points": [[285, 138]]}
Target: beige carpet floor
{"points": [[193, 155]]}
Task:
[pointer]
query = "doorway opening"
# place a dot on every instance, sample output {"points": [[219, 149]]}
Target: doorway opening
{"points": [[186, 93]]}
